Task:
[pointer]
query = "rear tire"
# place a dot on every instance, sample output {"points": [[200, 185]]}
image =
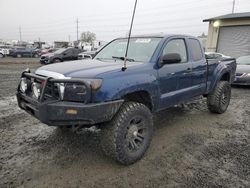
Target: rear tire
{"points": [[127, 136], [219, 99]]}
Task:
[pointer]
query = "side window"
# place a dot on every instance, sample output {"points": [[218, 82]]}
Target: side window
{"points": [[196, 49], [176, 46], [68, 52]]}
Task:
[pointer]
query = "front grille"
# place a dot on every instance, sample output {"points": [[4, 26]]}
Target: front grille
{"points": [[52, 89], [51, 92]]}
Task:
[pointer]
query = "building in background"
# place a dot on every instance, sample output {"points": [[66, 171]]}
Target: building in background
{"points": [[229, 34], [61, 44]]}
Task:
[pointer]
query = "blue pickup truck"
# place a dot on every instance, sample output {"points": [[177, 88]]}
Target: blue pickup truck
{"points": [[162, 71]]}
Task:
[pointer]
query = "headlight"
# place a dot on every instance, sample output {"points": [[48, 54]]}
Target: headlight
{"points": [[74, 92], [77, 92], [36, 90], [248, 75], [23, 85]]}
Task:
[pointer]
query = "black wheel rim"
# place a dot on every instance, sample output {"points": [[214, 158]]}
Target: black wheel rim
{"points": [[136, 134], [225, 97]]}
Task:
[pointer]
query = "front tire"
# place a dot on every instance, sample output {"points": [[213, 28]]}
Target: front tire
{"points": [[19, 55], [219, 99], [56, 60], [127, 137], [36, 55]]}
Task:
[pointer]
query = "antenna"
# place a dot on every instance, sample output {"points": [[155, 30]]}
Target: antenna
{"points": [[129, 35]]}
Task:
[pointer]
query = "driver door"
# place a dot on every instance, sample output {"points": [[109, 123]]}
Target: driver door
{"points": [[175, 79], [68, 54]]}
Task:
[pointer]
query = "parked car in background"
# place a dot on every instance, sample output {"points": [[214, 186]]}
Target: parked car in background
{"points": [[215, 55], [63, 54], [87, 55], [2, 53], [5, 49], [242, 71], [46, 51], [24, 52]]}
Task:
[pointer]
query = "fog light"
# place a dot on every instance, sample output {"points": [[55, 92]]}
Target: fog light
{"points": [[36, 90], [23, 85], [71, 111]]}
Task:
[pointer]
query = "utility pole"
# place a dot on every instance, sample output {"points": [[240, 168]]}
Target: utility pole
{"points": [[77, 39], [233, 6], [20, 33], [40, 46], [69, 41]]}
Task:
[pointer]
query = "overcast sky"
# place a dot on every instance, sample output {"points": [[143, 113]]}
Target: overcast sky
{"points": [[56, 19]]}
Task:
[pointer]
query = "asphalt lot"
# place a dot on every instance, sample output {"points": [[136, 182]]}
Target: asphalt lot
{"points": [[190, 148]]}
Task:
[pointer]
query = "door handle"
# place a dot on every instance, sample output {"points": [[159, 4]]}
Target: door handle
{"points": [[187, 71]]}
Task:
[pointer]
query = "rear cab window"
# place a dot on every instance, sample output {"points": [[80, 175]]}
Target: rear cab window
{"points": [[196, 49]]}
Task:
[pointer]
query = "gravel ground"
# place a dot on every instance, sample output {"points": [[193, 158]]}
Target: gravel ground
{"points": [[11, 60], [190, 148]]}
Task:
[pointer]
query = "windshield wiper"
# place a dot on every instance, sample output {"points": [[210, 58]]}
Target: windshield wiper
{"points": [[123, 58]]}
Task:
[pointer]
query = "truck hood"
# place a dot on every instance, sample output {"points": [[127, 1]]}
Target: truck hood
{"points": [[81, 68], [243, 68]]}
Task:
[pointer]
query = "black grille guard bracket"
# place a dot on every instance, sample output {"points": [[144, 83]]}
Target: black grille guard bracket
{"points": [[53, 80]]}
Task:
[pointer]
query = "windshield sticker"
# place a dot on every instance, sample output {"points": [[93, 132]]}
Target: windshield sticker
{"points": [[143, 40]]}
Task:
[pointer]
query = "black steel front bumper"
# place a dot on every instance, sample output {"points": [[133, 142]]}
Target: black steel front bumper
{"points": [[59, 113], [56, 113]]}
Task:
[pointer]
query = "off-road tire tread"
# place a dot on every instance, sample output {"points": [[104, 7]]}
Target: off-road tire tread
{"points": [[110, 132], [213, 99]]}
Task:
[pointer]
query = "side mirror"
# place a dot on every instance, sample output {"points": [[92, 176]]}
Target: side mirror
{"points": [[170, 58], [64, 53]]}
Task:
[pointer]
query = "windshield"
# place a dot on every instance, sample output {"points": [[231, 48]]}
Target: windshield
{"points": [[140, 49], [244, 60], [60, 51]]}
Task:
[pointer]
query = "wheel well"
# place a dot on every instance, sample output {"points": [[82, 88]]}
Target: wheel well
{"points": [[141, 97], [57, 58], [225, 77]]}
